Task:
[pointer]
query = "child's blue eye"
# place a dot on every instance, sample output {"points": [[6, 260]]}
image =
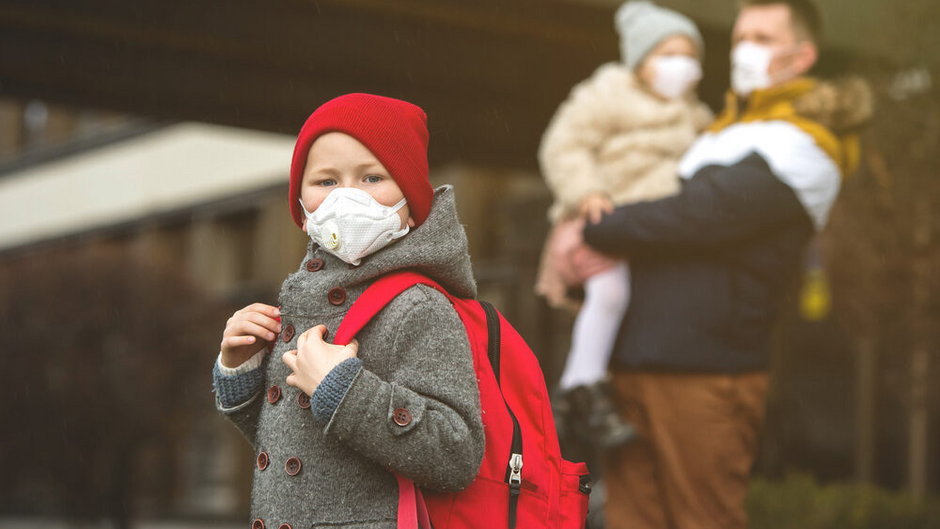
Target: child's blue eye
{"points": [[327, 182], [373, 179]]}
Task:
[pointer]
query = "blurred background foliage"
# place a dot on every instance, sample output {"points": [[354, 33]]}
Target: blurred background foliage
{"points": [[105, 362], [799, 501]]}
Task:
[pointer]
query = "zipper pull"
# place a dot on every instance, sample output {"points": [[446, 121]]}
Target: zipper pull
{"points": [[515, 472]]}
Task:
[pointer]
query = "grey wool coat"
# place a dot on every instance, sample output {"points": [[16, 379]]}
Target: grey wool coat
{"points": [[409, 404]]}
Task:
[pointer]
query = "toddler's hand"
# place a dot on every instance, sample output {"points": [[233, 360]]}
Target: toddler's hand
{"points": [[314, 358], [248, 331], [595, 206]]}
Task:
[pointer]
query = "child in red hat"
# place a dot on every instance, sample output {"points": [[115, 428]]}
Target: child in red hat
{"points": [[331, 424]]}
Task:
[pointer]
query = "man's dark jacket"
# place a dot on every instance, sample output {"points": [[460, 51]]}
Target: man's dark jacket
{"points": [[711, 265]]}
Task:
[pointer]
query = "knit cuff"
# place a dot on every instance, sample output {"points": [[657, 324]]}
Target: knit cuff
{"points": [[234, 390], [328, 395], [252, 363]]}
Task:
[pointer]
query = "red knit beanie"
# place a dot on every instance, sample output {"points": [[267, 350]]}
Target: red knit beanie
{"points": [[394, 131]]}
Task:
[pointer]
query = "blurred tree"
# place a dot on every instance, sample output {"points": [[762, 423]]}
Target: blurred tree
{"points": [[882, 260], [105, 363]]}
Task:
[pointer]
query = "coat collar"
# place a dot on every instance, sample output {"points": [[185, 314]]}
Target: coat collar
{"points": [[769, 104], [777, 104]]}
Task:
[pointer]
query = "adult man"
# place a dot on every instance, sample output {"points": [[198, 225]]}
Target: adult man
{"points": [[710, 268]]}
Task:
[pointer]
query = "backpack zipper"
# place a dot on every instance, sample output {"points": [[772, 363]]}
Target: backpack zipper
{"points": [[514, 466]]}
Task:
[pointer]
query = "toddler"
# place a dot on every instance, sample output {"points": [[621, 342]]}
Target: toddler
{"points": [[616, 139]]}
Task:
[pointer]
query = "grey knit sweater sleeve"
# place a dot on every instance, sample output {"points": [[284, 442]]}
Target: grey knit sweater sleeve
{"points": [[233, 391], [237, 398], [423, 420], [333, 388]]}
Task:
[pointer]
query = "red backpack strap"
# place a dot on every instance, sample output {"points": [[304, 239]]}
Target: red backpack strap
{"points": [[375, 298], [412, 511]]}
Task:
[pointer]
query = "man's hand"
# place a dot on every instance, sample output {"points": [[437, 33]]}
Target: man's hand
{"points": [[248, 331], [314, 358], [595, 206]]}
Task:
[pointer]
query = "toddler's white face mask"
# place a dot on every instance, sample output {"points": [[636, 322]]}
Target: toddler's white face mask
{"points": [[350, 224], [674, 75]]}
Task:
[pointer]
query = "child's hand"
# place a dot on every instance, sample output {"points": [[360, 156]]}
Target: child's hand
{"points": [[248, 331], [314, 358], [595, 206]]}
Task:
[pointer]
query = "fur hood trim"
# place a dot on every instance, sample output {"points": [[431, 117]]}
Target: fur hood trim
{"points": [[842, 105]]}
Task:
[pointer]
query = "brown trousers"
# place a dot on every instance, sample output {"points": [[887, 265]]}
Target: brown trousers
{"points": [[698, 439]]}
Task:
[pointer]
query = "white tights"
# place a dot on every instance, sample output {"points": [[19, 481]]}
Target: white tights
{"points": [[606, 298]]}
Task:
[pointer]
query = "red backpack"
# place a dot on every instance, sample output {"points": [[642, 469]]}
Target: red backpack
{"points": [[523, 482]]}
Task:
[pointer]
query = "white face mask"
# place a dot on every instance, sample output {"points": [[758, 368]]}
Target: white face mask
{"points": [[675, 75], [750, 65], [350, 224]]}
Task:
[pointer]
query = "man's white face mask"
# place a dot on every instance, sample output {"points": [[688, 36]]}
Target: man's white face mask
{"points": [[674, 75], [750, 68], [350, 224]]}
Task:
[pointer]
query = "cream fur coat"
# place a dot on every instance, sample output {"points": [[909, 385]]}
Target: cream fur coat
{"points": [[611, 136]]}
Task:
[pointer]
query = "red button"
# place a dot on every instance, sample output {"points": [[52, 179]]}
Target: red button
{"points": [[401, 417], [285, 526], [263, 461], [314, 265], [336, 295], [303, 400], [274, 394], [288, 333], [257, 524], [292, 466]]}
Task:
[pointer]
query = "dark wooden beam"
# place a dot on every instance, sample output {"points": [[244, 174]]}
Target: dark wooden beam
{"points": [[489, 73]]}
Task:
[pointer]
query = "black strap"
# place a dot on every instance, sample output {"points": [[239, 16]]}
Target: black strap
{"points": [[492, 339], [493, 346]]}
